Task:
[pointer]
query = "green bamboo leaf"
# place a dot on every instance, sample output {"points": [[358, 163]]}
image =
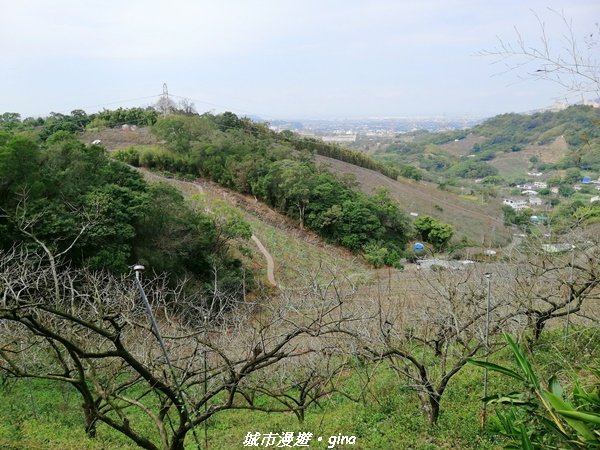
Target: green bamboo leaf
{"points": [[560, 405], [551, 426], [496, 368], [555, 387], [582, 416], [522, 361], [525, 441], [582, 396], [557, 402], [514, 398]]}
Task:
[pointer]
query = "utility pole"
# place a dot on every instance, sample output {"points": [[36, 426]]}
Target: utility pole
{"points": [[569, 292], [488, 276], [138, 269], [205, 382]]}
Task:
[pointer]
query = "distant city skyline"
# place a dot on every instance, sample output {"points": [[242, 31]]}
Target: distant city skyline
{"points": [[279, 59]]}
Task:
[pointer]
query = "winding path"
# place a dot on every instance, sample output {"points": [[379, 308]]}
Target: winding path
{"points": [[270, 262], [190, 188]]}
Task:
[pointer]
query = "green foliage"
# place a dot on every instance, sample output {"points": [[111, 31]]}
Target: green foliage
{"points": [[78, 120], [77, 200], [578, 125], [542, 417], [379, 256], [512, 131], [180, 131], [277, 169], [473, 169], [434, 231], [566, 190], [130, 155], [572, 175], [351, 156], [121, 116], [575, 213], [493, 180], [408, 171], [520, 218], [10, 121]]}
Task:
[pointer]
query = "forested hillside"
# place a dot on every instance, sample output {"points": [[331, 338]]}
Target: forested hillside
{"points": [[279, 171], [506, 133], [100, 214], [249, 158]]}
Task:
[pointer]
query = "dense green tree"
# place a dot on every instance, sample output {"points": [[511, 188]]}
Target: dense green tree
{"points": [[521, 218], [566, 190], [572, 175], [434, 231], [10, 121], [473, 169], [102, 214], [279, 170]]}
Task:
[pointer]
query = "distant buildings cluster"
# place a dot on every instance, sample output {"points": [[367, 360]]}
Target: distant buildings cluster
{"points": [[529, 190]]}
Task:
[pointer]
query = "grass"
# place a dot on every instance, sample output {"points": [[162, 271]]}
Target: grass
{"points": [[296, 257], [517, 164], [43, 415], [389, 418], [295, 252], [472, 220]]}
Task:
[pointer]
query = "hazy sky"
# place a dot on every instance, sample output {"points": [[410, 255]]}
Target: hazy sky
{"points": [[275, 58]]}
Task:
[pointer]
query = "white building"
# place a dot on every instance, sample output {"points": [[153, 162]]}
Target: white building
{"points": [[540, 184], [595, 198], [516, 204], [535, 201], [339, 138]]}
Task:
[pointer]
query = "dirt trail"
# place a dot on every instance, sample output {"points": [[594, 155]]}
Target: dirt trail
{"points": [[194, 187], [270, 262]]}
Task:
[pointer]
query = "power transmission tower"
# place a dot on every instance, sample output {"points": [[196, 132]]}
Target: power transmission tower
{"points": [[165, 103]]}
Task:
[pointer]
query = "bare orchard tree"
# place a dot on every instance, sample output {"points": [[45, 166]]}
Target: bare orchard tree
{"points": [[297, 383], [564, 57], [90, 330], [427, 333], [557, 281]]}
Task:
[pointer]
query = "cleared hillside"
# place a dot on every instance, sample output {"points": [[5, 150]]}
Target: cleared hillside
{"points": [[514, 164], [296, 253], [462, 147], [477, 222], [474, 221]]}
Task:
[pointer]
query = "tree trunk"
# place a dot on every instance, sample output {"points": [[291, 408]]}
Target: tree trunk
{"points": [[90, 420], [540, 323], [434, 408], [177, 443], [430, 403]]}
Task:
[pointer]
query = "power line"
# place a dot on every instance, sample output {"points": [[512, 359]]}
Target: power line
{"points": [[112, 102], [254, 113], [121, 101]]}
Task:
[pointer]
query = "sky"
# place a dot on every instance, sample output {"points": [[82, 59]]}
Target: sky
{"points": [[278, 59]]}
